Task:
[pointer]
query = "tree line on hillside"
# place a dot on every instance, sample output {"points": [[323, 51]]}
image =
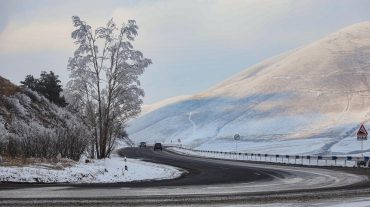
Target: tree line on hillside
{"points": [[103, 93], [47, 85]]}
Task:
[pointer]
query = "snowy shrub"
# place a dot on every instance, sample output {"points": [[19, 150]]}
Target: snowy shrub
{"points": [[14, 105], [3, 134], [34, 140], [72, 141], [34, 96], [23, 99], [38, 128], [30, 140]]}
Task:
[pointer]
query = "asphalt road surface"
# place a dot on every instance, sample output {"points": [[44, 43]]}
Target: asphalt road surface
{"points": [[205, 182]]}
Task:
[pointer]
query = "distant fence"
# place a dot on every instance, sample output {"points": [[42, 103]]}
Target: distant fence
{"points": [[344, 161]]}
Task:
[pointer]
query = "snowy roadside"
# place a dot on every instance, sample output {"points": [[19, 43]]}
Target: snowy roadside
{"points": [[110, 170]]}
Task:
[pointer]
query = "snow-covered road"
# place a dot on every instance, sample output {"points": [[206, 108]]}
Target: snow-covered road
{"points": [[282, 179]]}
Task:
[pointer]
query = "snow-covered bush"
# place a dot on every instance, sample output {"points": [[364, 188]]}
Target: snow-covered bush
{"points": [[37, 128], [72, 140], [23, 99], [15, 106], [34, 96], [3, 134], [34, 140]]}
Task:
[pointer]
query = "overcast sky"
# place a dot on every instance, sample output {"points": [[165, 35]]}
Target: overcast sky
{"points": [[194, 44]]}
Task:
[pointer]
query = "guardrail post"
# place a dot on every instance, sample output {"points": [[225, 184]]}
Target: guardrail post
{"points": [[335, 160]]}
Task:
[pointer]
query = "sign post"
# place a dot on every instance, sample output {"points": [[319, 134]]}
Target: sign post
{"points": [[361, 136], [236, 138]]}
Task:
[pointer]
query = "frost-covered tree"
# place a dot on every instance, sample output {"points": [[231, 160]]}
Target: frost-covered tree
{"points": [[104, 84]]}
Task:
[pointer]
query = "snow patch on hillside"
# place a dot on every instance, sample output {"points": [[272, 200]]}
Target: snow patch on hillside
{"points": [[151, 107], [281, 147]]}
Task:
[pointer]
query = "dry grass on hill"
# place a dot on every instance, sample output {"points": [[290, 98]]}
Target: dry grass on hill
{"points": [[7, 88], [54, 163]]}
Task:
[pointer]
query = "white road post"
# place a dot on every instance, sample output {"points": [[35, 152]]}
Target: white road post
{"points": [[126, 168]]}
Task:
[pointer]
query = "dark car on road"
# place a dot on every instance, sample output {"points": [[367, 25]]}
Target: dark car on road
{"points": [[157, 146], [142, 144]]}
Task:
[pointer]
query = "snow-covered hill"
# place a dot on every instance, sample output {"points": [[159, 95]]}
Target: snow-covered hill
{"points": [[309, 100]]}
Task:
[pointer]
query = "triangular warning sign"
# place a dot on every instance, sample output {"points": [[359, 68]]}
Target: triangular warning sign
{"points": [[362, 131]]}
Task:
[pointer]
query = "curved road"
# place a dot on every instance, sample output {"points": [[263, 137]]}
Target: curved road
{"points": [[206, 181]]}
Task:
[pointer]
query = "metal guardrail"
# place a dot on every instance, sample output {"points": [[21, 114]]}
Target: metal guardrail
{"points": [[316, 160]]}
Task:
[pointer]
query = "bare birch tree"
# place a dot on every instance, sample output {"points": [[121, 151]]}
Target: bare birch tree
{"points": [[104, 84]]}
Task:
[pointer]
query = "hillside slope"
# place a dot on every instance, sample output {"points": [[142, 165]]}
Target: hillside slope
{"points": [[18, 104], [31, 126], [316, 95]]}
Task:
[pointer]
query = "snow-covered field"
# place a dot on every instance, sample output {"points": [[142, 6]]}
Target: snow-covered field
{"points": [[312, 146], [293, 147], [98, 171]]}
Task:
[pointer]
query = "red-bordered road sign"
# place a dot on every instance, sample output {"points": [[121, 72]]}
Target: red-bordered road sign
{"points": [[362, 133]]}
